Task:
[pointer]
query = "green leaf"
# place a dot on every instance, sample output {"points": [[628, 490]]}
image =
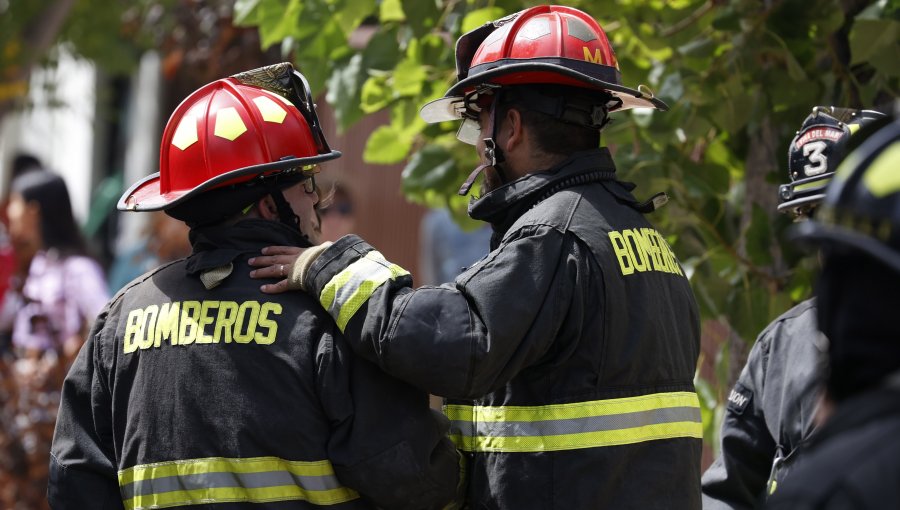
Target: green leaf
{"points": [[878, 43], [277, 23], [868, 37], [376, 94], [430, 50], [479, 17], [382, 52], [391, 10], [431, 167], [421, 15], [408, 78], [244, 12], [344, 91], [386, 146], [352, 13]]}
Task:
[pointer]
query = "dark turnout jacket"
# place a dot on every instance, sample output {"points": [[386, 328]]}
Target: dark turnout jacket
{"points": [[186, 396], [568, 353], [770, 413], [853, 461]]}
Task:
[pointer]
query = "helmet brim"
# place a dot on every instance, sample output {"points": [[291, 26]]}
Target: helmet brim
{"points": [[806, 201], [146, 195], [526, 73], [812, 233]]}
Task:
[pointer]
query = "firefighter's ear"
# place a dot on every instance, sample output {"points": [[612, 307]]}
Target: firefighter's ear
{"points": [[266, 208], [512, 130]]}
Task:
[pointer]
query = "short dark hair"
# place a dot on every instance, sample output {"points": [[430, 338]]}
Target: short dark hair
{"points": [[58, 227], [550, 134], [24, 163]]}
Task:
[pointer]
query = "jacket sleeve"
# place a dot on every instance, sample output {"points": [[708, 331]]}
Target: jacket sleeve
{"points": [[458, 340], [82, 461], [737, 478], [386, 443]]}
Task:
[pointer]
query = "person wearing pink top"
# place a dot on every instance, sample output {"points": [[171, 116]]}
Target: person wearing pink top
{"points": [[50, 314]]}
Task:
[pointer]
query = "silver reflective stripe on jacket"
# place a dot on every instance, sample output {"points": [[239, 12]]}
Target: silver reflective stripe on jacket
{"points": [[216, 479], [576, 425]]}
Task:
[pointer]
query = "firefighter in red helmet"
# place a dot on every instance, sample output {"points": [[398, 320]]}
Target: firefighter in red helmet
{"points": [[568, 352], [194, 388]]}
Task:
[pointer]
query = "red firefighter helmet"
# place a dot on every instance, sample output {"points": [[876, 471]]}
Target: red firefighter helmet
{"points": [[257, 123], [545, 44]]}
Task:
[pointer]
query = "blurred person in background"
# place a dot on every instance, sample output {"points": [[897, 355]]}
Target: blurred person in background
{"points": [[446, 249], [60, 296], [165, 239], [13, 266], [853, 460], [336, 212], [771, 411]]}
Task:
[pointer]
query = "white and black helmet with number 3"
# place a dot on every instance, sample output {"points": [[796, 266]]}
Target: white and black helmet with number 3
{"points": [[814, 154]]}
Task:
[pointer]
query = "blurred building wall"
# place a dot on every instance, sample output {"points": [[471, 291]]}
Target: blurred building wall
{"points": [[57, 127]]}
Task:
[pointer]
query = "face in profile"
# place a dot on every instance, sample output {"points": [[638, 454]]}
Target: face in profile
{"points": [[303, 204], [336, 216], [24, 223]]}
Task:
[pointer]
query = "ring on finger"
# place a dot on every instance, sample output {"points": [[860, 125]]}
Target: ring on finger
{"points": [[281, 270]]}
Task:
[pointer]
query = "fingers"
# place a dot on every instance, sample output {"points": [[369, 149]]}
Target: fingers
{"points": [[271, 271], [282, 250], [276, 263], [275, 288]]}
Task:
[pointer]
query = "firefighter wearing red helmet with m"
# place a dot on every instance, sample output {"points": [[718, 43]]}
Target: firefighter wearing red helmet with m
{"points": [[567, 354], [194, 388]]}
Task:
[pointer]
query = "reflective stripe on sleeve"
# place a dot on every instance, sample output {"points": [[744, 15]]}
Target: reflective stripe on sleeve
{"points": [[216, 480], [348, 290], [572, 426]]}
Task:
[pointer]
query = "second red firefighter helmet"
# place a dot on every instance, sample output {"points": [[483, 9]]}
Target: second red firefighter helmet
{"points": [[257, 123], [548, 44]]}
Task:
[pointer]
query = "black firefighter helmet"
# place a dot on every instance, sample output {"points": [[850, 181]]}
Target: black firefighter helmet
{"points": [[857, 229], [861, 209], [814, 154]]}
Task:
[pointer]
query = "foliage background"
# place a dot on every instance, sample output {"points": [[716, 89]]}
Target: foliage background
{"points": [[739, 77]]}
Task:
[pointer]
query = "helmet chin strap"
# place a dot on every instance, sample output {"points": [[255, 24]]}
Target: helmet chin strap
{"points": [[286, 214], [492, 153]]}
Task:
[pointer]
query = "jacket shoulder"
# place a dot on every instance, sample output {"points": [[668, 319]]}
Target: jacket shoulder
{"points": [[802, 315]]}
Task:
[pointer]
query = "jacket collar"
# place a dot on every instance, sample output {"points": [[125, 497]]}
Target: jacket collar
{"points": [[215, 246], [503, 205]]}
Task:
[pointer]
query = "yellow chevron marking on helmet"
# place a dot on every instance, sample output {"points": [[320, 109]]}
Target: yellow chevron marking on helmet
{"points": [[883, 178], [186, 132], [270, 110], [229, 124]]}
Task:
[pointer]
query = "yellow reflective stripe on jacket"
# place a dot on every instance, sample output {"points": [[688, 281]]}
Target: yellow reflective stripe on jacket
{"points": [[572, 426], [216, 479], [351, 288]]}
